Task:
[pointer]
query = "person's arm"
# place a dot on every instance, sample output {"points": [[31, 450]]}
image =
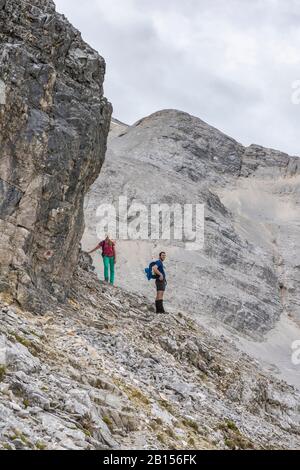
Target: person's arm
{"points": [[115, 253], [157, 272], [96, 248]]}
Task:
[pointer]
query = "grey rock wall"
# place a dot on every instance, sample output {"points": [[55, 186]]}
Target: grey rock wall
{"points": [[54, 122]]}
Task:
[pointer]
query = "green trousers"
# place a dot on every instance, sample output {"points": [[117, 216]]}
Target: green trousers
{"points": [[109, 265]]}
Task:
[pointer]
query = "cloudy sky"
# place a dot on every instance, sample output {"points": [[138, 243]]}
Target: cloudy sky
{"points": [[232, 63]]}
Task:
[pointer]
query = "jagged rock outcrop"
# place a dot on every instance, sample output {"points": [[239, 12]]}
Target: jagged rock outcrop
{"points": [[104, 371], [248, 272], [54, 122]]}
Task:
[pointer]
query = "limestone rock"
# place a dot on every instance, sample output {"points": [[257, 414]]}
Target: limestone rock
{"points": [[141, 380], [54, 122]]}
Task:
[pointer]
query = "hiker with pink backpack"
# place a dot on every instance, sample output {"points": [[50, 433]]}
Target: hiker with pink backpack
{"points": [[109, 258]]}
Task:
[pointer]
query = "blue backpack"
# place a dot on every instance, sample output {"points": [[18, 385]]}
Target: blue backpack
{"points": [[148, 271]]}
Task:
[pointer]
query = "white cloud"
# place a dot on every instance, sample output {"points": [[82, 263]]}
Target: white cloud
{"points": [[230, 63]]}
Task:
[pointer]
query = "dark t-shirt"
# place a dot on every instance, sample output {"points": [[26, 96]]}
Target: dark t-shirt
{"points": [[160, 267]]}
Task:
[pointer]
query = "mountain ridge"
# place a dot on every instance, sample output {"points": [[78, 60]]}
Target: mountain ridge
{"points": [[203, 165]]}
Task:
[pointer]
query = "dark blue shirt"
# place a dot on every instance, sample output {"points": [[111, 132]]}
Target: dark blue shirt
{"points": [[160, 267]]}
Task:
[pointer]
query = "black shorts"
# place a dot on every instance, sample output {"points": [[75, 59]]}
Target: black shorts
{"points": [[160, 285]]}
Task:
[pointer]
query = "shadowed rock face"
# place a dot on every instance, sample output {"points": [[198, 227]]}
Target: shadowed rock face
{"points": [[54, 122], [248, 272]]}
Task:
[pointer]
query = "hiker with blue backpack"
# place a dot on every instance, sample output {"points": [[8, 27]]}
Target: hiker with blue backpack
{"points": [[156, 271]]}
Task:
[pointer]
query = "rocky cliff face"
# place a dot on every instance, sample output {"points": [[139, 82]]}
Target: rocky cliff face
{"points": [[248, 272], [54, 122]]}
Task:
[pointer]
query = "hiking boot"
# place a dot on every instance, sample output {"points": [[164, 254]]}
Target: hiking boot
{"points": [[159, 306]]}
